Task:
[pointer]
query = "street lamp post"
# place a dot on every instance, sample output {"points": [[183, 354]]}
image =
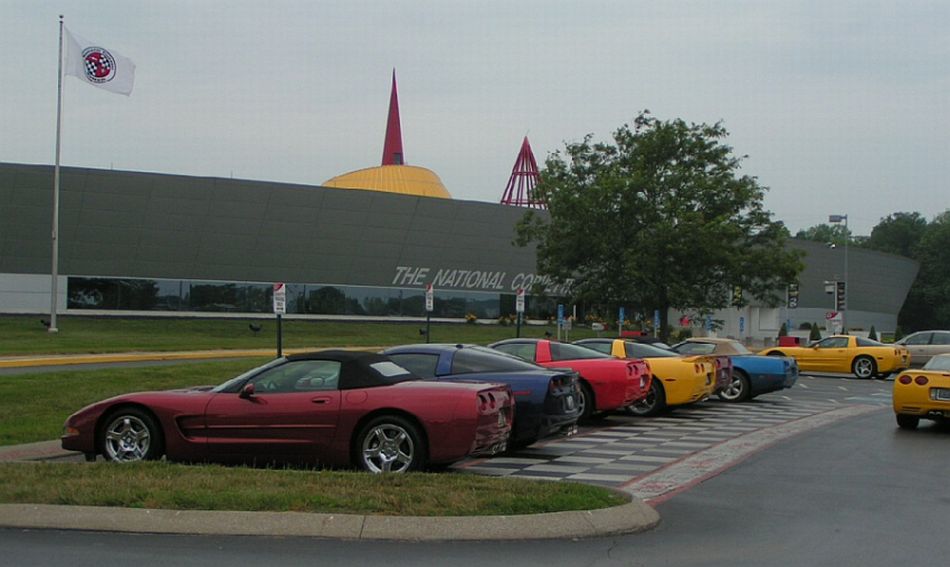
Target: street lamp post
{"points": [[837, 219]]}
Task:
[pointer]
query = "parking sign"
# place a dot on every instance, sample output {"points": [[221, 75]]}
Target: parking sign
{"points": [[280, 298], [519, 300]]}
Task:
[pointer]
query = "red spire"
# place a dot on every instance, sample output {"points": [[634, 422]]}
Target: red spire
{"points": [[523, 180], [392, 147]]}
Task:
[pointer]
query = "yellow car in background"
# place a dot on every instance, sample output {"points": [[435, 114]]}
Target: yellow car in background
{"points": [[845, 353], [924, 393], [677, 380]]}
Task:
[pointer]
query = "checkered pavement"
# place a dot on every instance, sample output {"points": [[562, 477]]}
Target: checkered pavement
{"points": [[623, 448]]}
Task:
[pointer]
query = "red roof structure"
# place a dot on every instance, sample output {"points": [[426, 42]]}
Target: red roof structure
{"points": [[392, 147], [520, 191]]}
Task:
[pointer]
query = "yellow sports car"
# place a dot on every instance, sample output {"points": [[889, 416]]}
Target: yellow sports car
{"points": [[923, 394], [677, 380], [845, 353]]}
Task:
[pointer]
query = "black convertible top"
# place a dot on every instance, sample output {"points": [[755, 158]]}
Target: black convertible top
{"points": [[361, 369]]}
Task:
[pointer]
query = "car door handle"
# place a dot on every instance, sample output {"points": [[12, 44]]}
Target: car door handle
{"points": [[320, 400]]}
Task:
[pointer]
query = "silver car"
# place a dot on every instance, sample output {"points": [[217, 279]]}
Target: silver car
{"points": [[925, 344]]}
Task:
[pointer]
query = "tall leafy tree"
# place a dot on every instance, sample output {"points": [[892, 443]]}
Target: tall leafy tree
{"points": [[827, 233], [898, 233], [928, 304], [659, 217]]}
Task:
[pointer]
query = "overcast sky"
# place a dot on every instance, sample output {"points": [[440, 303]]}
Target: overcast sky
{"points": [[841, 106]]}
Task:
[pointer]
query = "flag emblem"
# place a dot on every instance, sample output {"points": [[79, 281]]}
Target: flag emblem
{"points": [[99, 64]]}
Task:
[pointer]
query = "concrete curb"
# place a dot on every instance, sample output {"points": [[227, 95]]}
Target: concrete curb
{"points": [[632, 517]]}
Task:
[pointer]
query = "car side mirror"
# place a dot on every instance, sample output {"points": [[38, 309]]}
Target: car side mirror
{"points": [[247, 391]]}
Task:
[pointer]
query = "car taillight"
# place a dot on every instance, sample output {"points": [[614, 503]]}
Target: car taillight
{"points": [[921, 380], [486, 402], [905, 379]]}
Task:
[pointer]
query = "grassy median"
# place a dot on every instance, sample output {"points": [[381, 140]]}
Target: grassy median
{"points": [[33, 407], [207, 487]]}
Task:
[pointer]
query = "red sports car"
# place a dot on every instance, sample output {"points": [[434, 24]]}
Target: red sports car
{"points": [[607, 383], [330, 408]]}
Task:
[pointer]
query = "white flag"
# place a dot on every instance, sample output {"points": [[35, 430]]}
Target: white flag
{"points": [[98, 66]]}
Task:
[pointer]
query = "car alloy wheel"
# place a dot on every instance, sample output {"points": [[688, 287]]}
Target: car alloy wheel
{"points": [[737, 390], [390, 444], [864, 367], [130, 436], [585, 403], [652, 404]]}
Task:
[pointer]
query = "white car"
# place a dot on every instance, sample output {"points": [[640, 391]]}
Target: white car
{"points": [[925, 344]]}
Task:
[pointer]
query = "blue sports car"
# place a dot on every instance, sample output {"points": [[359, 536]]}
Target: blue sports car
{"points": [[545, 399], [752, 374]]}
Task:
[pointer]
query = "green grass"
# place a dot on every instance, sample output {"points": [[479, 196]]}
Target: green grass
{"points": [[190, 487], [25, 335], [33, 407]]}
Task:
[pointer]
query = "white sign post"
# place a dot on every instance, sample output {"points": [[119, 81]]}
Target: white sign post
{"points": [[519, 310], [280, 308], [430, 305]]}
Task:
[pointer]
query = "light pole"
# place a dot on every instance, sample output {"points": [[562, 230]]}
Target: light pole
{"points": [[837, 219]]}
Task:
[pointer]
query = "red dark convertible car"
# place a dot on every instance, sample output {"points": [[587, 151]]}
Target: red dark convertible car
{"points": [[332, 408]]}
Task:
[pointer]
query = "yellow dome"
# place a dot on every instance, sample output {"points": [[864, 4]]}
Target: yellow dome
{"points": [[405, 179]]}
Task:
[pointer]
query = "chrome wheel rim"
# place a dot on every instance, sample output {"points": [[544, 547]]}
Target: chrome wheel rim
{"points": [[127, 439], [582, 402], [863, 368], [646, 404], [734, 390], [388, 448]]}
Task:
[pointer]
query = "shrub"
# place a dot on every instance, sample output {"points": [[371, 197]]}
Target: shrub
{"points": [[873, 334], [815, 334]]}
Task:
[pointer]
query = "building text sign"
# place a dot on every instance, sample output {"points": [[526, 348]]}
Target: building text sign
{"points": [[457, 278]]}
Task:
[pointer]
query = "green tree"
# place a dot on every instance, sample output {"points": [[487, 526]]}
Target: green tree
{"points": [[827, 233], [815, 333], [898, 233], [658, 218], [930, 296]]}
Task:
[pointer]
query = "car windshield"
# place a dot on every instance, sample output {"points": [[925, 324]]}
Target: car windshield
{"points": [[940, 363], [738, 348], [233, 382], [482, 359], [694, 348], [564, 351], [637, 350]]}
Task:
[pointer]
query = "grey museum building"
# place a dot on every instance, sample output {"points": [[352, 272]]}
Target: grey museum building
{"points": [[157, 244]]}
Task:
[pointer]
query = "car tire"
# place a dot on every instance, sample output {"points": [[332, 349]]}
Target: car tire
{"points": [[130, 435], [390, 444], [587, 402], [907, 421], [739, 390], [653, 404], [864, 367]]}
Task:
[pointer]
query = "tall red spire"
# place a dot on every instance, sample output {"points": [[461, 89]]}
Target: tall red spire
{"points": [[520, 191], [392, 147]]}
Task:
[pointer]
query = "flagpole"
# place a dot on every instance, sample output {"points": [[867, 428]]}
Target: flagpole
{"points": [[54, 271]]}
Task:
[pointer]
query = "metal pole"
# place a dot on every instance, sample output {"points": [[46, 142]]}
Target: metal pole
{"points": [[428, 327], [847, 288], [518, 325], [280, 337], [54, 269]]}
